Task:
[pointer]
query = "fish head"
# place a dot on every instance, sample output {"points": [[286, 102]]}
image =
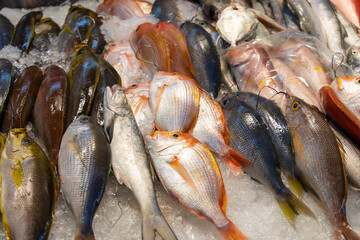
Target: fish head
{"points": [[19, 144], [348, 87], [168, 144], [115, 100], [353, 58], [294, 108], [139, 89]]}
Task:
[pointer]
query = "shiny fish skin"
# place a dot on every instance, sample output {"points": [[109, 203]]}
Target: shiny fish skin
{"points": [[27, 188], [6, 30], [250, 136], [189, 172], [204, 57], [130, 162], [49, 110], [123, 9], [174, 99], [84, 165], [22, 98], [45, 32], [6, 79], [318, 157]]}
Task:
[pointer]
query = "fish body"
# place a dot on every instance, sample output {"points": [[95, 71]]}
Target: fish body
{"points": [[204, 57], [174, 99], [130, 163], [6, 80], [25, 30], [249, 135], [189, 172], [45, 31], [350, 9], [84, 76], [84, 166], [138, 98], [27, 180], [120, 8], [22, 98], [30, 3], [6, 30], [50, 108]]}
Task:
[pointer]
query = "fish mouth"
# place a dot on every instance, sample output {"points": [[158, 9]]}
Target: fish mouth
{"points": [[155, 136]]}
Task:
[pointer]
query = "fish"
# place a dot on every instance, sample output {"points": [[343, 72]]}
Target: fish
{"points": [[211, 130], [309, 21], [190, 174], [174, 99], [25, 30], [84, 75], [145, 6], [7, 31], [211, 8], [108, 77], [138, 98], [130, 163], [49, 110], [249, 135], [351, 155], [236, 23], [276, 122], [204, 57], [318, 157], [22, 98], [45, 31], [97, 40], [6, 80], [121, 56], [350, 9], [84, 166], [27, 179], [150, 48], [30, 3], [123, 9], [330, 24], [180, 61]]}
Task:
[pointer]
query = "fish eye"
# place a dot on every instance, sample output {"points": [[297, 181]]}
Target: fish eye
{"points": [[226, 102], [174, 73], [81, 51], [354, 52], [175, 135], [134, 85], [137, 29], [25, 141], [357, 80], [85, 119], [295, 106]]}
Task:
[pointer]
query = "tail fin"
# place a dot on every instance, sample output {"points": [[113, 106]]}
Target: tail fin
{"points": [[231, 232], [292, 207], [235, 161], [156, 223], [345, 232], [81, 235]]}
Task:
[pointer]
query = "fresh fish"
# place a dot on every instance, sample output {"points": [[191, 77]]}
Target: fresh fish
{"points": [[145, 6], [130, 163], [190, 174], [249, 135], [350, 9], [84, 166], [30, 3], [84, 76], [150, 48], [351, 155], [309, 21], [27, 188], [318, 157], [138, 98], [25, 30], [204, 57], [180, 61], [211, 130], [277, 7], [49, 110], [108, 77], [212, 8], [45, 32], [22, 98], [122, 58], [6, 30], [122, 9], [236, 23], [6, 80], [97, 41], [174, 99]]}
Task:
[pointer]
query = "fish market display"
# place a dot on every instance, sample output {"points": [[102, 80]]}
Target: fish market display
{"points": [[140, 113]]}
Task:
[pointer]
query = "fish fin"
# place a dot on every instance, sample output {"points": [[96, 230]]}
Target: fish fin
{"points": [[342, 154], [345, 232], [292, 207], [73, 147], [235, 161], [223, 200], [156, 223], [231, 232], [176, 165], [296, 186]]}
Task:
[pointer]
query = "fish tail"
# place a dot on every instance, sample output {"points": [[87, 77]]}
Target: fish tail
{"points": [[156, 223], [235, 161], [345, 232], [293, 207], [85, 235], [231, 232]]}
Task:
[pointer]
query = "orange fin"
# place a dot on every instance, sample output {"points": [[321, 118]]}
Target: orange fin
{"points": [[183, 173], [231, 232], [235, 161]]}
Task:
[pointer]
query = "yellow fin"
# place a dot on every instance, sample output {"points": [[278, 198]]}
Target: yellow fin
{"points": [[17, 174], [296, 186], [183, 173], [72, 146]]}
